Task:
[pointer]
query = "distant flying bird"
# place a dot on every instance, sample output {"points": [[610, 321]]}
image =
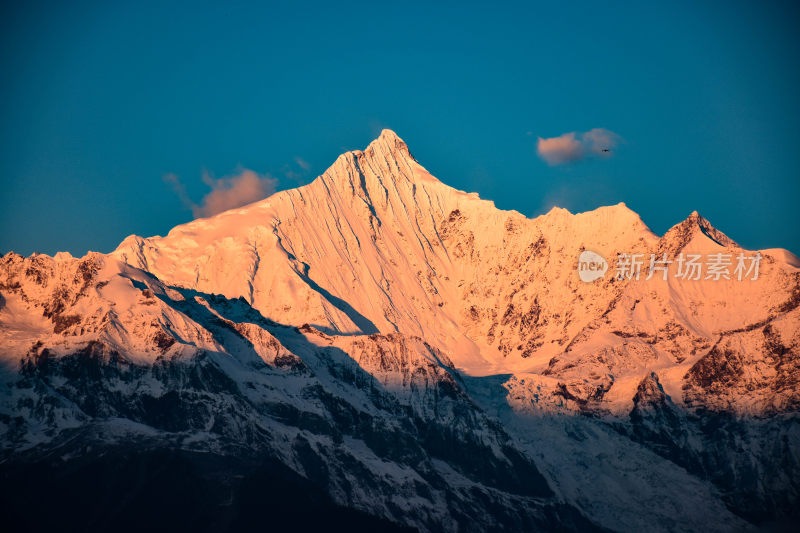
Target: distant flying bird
{"points": [[606, 150]]}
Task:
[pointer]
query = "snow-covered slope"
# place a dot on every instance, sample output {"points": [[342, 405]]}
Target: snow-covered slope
{"points": [[126, 360], [382, 423], [378, 329], [377, 244]]}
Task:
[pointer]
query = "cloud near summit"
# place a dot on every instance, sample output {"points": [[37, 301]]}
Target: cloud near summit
{"points": [[574, 146], [226, 193]]}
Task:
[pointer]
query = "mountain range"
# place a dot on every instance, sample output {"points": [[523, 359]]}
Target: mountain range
{"points": [[377, 349]]}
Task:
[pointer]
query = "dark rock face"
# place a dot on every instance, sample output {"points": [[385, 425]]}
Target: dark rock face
{"points": [[150, 488], [753, 461], [716, 370], [658, 423], [766, 372], [195, 433]]}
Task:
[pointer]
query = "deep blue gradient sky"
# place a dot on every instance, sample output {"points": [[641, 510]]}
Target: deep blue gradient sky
{"points": [[98, 101]]}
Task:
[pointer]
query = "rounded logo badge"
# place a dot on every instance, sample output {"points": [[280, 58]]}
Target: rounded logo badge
{"points": [[591, 266]]}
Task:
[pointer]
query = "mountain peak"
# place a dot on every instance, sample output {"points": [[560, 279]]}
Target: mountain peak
{"points": [[694, 226], [389, 142], [389, 135]]}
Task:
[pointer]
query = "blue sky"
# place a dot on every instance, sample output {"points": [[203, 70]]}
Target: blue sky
{"points": [[99, 101]]}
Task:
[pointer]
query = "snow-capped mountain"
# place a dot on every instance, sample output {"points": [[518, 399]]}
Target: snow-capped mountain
{"points": [[411, 354]]}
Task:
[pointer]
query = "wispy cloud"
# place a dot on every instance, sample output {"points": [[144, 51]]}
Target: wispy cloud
{"points": [[296, 171], [599, 139], [574, 146], [302, 163], [226, 193], [180, 189]]}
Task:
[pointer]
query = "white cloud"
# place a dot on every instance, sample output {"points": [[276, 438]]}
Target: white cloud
{"points": [[559, 150], [226, 193], [574, 146]]}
